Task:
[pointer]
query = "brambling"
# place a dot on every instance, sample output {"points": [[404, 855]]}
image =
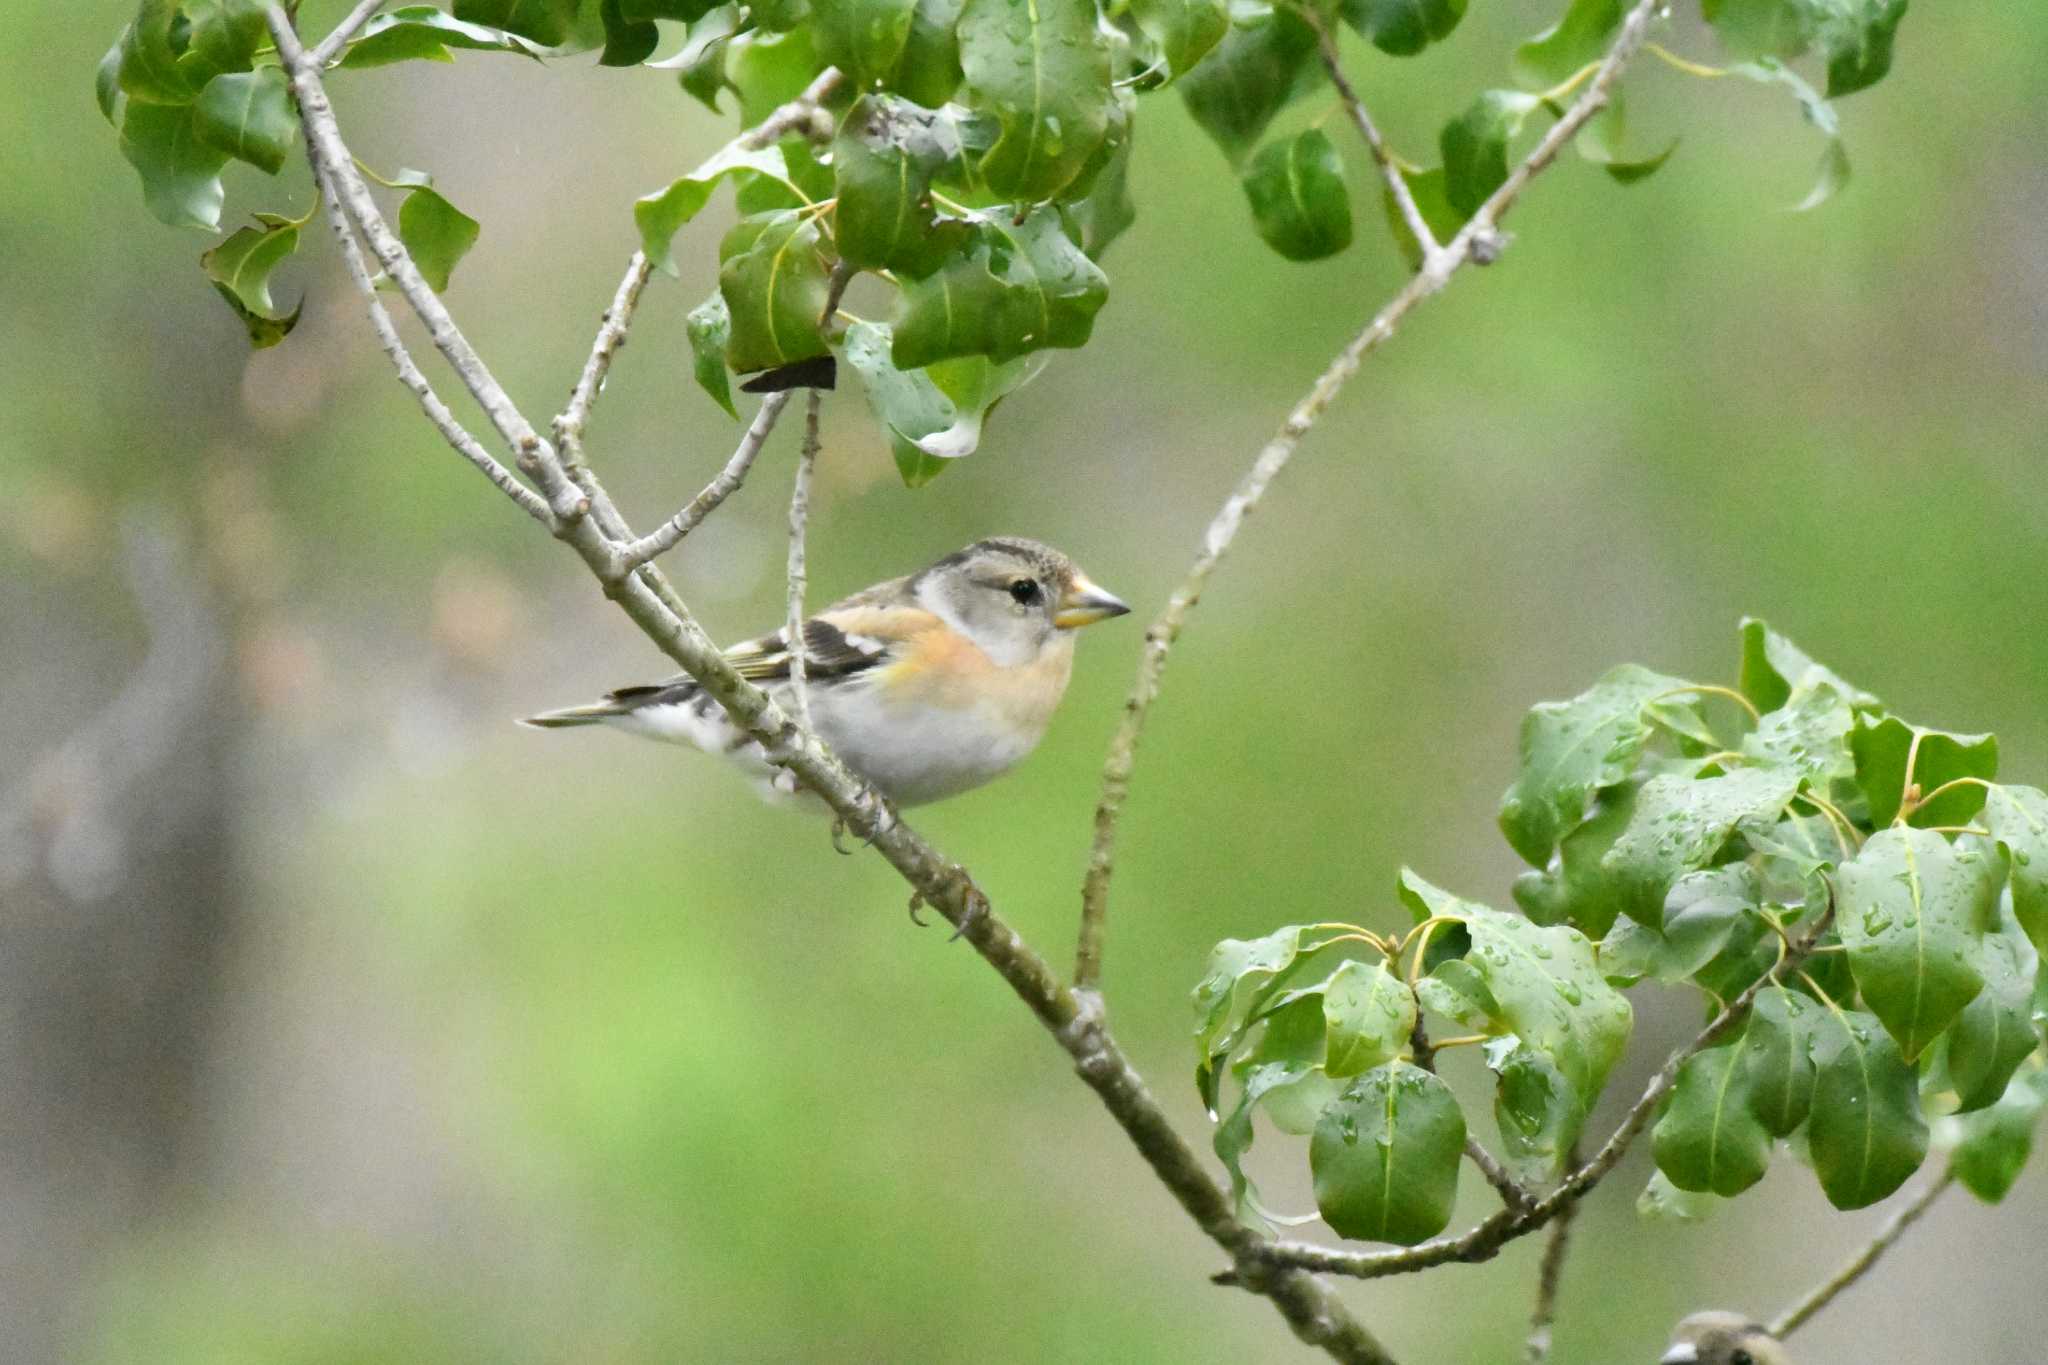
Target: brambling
{"points": [[1720, 1338], [927, 685]]}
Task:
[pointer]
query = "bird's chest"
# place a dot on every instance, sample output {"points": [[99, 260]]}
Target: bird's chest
{"points": [[933, 731]]}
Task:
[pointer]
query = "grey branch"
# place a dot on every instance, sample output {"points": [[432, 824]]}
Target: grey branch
{"points": [[1549, 1275], [611, 337], [332, 44], [1478, 242], [1483, 1241], [670, 533], [1506, 1186], [1852, 1270], [1397, 184], [591, 526], [799, 521]]}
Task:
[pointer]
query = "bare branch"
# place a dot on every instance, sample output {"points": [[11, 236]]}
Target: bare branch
{"points": [[1506, 1186], [590, 525], [1483, 1241], [1548, 1276], [452, 430], [334, 42], [670, 533], [799, 518], [1397, 184], [1852, 1270], [1478, 242], [611, 337]]}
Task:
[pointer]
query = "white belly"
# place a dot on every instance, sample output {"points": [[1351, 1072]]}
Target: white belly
{"points": [[914, 752]]}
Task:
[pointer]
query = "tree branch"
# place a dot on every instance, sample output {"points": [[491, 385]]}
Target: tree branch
{"points": [[1506, 1186], [612, 327], [1316, 1315], [1852, 1270], [333, 43], [1397, 184], [670, 533], [799, 518], [1548, 1276], [1478, 242], [1484, 1240]]}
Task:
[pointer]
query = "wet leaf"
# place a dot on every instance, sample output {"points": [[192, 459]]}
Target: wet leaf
{"points": [[710, 330], [1882, 745], [1368, 1013], [1017, 287], [1913, 911], [240, 269], [773, 278], [1385, 1156], [1042, 70], [1865, 1132], [1299, 200], [249, 116], [1709, 1138]]}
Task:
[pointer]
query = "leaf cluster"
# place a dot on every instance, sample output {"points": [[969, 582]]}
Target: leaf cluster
{"points": [[979, 163], [1680, 833]]}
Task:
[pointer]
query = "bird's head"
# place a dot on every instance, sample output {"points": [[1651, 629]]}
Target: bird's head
{"points": [[1719, 1338], [1013, 597]]}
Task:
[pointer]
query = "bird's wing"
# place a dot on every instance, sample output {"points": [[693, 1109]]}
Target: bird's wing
{"points": [[846, 640]]}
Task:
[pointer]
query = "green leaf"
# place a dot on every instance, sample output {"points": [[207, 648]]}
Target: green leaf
{"points": [[865, 38], [1995, 1031], [699, 63], [1857, 36], [682, 11], [226, 34], [1402, 28], [1041, 67], [551, 23], [1282, 1071], [1681, 824], [1266, 60], [1882, 746], [1573, 750], [1773, 668], [662, 214], [1105, 211], [1385, 1156], [249, 116], [1561, 51], [1183, 31], [1990, 1147], [1913, 909], [1015, 288], [240, 269], [1539, 1112], [436, 233], [933, 415], [1242, 973], [929, 73], [884, 159], [773, 278], [180, 173], [1600, 142], [1865, 1133], [1662, 1201], [627, 42], [709, 326], [106, 81], [1300, 202], [1544, 982], [1763, 28], [423, 33], [1777, 1057], [1475, 146], [2018, 818], [1456, 991], [153, 69], [1369, 1013], [1809, 734], [1709, 1137], [768, 70], [1701, 913]]}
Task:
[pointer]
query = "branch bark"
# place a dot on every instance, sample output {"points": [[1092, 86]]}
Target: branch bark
{"points": [[1347, 94], [1549, 1275], [1478, 243]]}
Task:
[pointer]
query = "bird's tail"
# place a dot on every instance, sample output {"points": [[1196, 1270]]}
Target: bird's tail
{"points": [[597, 713]]}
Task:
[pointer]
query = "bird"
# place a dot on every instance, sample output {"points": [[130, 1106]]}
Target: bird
{"points": [[1722, 1338], [927, 685]]}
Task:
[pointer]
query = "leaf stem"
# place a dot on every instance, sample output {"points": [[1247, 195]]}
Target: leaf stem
{"points": [[1844, 832], [1685, 64], [1943, 790], [1712, 690]]}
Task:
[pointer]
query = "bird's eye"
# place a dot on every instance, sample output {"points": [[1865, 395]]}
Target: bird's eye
{"points": [[1742, 1358], [1024, 591]]}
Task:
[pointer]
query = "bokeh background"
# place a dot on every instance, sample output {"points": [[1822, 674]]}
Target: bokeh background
{"points": [[341, 1021]]}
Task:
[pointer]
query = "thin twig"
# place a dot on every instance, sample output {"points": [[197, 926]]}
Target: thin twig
{"points": [[444, 421], [1480, 242], [1852, 1270], [1549, 1274], [799, 519], [611, 337], [670, 533], [1397, 184], [1310, 1308], [1484, 1240], [324, 52], [1506, 1186]]}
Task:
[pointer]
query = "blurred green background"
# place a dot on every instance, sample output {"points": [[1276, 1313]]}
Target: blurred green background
{"points": [[343, 1021]]}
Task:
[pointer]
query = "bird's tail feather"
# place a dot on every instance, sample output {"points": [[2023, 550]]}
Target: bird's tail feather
{"points": [[595, 714]]}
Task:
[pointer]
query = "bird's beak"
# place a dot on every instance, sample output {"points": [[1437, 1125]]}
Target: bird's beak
{"points": [[1085, 604], [1680, 1355]]}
